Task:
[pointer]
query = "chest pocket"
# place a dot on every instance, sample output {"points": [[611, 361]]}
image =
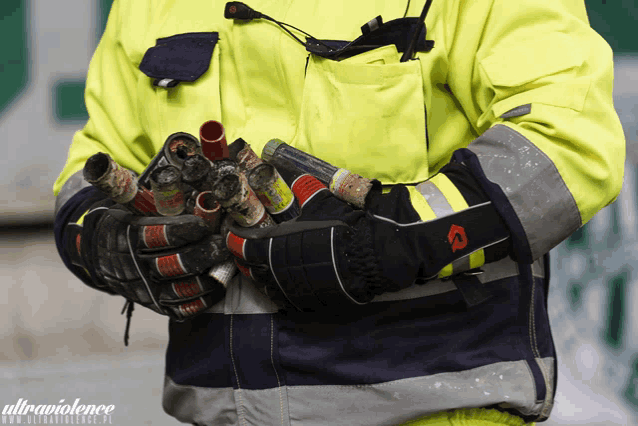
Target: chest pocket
{"points": [[182, 91], [366, 114]]}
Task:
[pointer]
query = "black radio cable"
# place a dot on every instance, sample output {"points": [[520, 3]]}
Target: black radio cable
{"points": [[407, 6], [239, 10], [409, 52]]}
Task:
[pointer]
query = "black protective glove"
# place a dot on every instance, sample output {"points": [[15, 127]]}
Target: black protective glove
{"points": [[161, 263], [335, 255]]}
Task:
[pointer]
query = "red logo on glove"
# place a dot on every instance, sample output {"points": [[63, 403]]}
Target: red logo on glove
{"points": [[457, 238]]}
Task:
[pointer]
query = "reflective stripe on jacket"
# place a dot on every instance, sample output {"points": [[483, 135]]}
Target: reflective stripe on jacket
{"points": [[521, 94]]}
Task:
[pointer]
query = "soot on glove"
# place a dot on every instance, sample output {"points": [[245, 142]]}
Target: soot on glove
{"points": [[161, 263]]}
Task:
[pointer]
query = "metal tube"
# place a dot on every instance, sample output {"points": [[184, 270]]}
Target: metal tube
{"points": [[221, 168], [306, 187], [144, 202], [166, 186], [119, 184], [179, 146], [175, 150], [213, 140], [109, 177], [209, 210], [223, 272], [302, 161], [350, 187], [273, 192], [235, 147], [344, 184], [247, 159], [235, 195], [196, 172]]}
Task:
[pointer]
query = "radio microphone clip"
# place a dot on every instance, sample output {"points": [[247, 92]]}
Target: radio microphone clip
{"points": [[239, 10]]}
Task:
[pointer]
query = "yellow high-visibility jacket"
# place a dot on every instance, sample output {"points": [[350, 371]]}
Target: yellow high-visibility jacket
{"points": [[520, 93]]}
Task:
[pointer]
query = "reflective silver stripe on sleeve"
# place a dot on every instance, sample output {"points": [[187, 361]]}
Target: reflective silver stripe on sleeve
{"points": [[532, 184], [72, 186], [507, 383], [435, 198], [441, 207]]}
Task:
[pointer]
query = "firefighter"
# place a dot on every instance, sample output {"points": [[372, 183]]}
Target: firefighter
{"points": [[492, 132]]}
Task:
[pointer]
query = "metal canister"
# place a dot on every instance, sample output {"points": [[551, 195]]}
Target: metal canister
{"points": [[273, 192], [179, 146], [213, 139], [344, 184], [166, 187], [144, 202], [235, 147], [209, 210], [247, 159], [304, 162], [221, 168], [350, 187], [305, 187], [240, 201], [118, 183], [196, 172], [223, 272]]}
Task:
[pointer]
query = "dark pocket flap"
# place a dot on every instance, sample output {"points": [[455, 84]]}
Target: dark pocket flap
{"points": [[182, 57]]}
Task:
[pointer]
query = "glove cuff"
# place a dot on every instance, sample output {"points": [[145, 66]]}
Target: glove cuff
{"points": [[362, 263], [444, 219], [448, 194], [68, 228]]}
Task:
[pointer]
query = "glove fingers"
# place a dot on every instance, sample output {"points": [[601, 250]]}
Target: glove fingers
{"points": [[256, 272], [248, 250], [189, 309], [302, 265], [252, 260], [189, 296], [299, 266], [195, 259], [299, 254], [169, 232]]}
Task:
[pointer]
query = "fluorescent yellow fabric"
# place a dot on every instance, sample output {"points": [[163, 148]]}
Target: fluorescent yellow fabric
{"points": [[488, 58], [565, 70], [373, 108], [469, 417]]}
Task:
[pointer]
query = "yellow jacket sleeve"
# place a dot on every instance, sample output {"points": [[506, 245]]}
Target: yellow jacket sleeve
{"points": [[114, 126], [536, 82]]}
